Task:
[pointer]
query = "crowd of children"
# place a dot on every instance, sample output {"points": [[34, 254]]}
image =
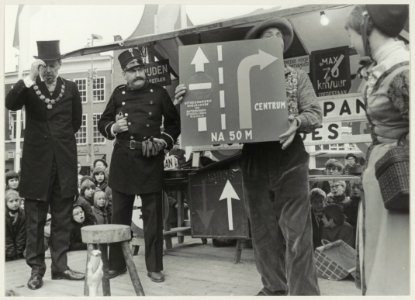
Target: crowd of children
{"points": [[334, 203], [92, 206]]}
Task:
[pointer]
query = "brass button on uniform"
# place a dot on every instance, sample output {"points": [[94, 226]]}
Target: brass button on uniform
{"points": [[150, 113], [123, 92], [123, 103], [129, 123], [151, 102], [126, 114], [151, 90], [131, 137], [147, 125]]}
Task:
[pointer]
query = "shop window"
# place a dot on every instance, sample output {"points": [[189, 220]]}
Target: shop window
{"points": [[98, 89], [81, 135], [98, 138], [82, 88]]}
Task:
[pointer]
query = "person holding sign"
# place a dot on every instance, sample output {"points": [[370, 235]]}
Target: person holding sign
{"points": [[275, 176], [383, 230], [133, 117]]}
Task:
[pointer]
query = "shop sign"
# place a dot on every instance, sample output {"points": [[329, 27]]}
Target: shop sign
{"points": [[299, 62], [330, 71], [158, 72]]}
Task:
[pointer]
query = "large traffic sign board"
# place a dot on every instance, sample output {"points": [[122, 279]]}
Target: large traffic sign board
{"points": [[236, 92], [217, 204]]}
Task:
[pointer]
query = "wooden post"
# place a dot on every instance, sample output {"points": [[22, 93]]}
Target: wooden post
{"points": [[238, 251], [139, 291], [180, 212]]}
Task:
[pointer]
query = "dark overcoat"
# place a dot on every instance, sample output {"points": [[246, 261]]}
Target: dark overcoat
{"points": [[49, 135], [145, 108]]}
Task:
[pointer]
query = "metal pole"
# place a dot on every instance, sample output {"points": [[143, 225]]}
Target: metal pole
{"points": [[91, 108]]}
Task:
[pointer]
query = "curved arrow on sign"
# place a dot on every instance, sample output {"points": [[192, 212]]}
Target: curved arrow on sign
{"points": [[229, 193], [262, 59]]}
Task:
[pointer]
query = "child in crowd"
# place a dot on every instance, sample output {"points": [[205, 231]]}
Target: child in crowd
{"points": [[100, 177], [88, 190], [335, 227], [337, 194], [15, 230], [12, 180], [78, 221], [100, 209], [317, 199], [86, 198]]}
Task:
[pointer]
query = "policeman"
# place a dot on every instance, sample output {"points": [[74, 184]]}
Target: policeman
{"points": [[133, 117]]}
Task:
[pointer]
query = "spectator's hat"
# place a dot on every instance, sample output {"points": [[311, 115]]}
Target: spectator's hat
{"points": [[389, 19], [48, 50], [351, 155], [281, 23], [11, 174], [98, 170], [130, 58], [332, 162]]}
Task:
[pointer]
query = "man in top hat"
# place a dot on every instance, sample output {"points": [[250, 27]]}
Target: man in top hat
{"points": [[49, 163], [133, 117], [275, 177]]}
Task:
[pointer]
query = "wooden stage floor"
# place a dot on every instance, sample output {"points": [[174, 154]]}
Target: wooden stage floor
{"points": [[190, 268]]}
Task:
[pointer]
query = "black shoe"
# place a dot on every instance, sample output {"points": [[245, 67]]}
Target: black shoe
{"points": [[35, 281], [156, 276], [115, 273], [69, 275], [266, 292]]}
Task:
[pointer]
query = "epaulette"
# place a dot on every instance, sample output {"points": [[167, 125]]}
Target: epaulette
{"points": [[121, 86]]}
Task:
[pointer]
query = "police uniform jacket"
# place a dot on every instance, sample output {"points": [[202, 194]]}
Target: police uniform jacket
{"points": [[145, 109], [49, 135]]}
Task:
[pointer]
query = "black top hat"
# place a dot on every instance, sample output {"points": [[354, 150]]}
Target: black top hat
{"points": [[130, 58], [281, 23], [48, 50], [389, 19]]}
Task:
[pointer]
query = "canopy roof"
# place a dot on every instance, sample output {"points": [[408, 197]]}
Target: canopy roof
{"points": [[310, 35]]}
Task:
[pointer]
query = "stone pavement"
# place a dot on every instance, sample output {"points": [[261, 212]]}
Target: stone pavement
{"points": [[191, 268]]}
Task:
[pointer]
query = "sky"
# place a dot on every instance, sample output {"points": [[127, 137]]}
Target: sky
{"points": [[74, 24]]}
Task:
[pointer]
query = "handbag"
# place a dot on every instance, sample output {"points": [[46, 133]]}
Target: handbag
{"points": [[392, 169], [392, 173]]}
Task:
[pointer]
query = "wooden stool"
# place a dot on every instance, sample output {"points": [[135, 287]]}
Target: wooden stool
{"points": [[101, 235]]}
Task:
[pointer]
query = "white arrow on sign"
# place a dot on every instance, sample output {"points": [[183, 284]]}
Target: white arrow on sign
{"points": [[229, 193], [199, 60], [262, 59]]}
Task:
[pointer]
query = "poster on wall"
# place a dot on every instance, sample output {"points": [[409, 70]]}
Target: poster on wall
{"points": [[330, 71]]}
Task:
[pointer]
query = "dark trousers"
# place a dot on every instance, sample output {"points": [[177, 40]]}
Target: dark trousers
{"points": [[36, 212], [151, 209], [276, 184]]}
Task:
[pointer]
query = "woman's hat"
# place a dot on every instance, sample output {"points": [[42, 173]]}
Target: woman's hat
{"points": [[281, 23], [48, 50], [389, 19]]}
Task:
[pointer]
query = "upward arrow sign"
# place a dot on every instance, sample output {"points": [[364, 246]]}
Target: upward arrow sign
{"points": [[229, 193], [262, 59], [199, 60]]}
